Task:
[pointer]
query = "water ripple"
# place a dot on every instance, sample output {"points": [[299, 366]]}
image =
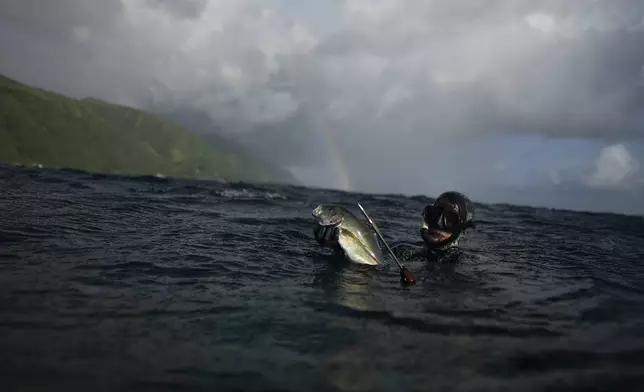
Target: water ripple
{"points": [[146, 283]]}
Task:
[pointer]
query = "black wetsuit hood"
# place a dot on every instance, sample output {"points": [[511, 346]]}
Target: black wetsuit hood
{"points": [[451, 212]]}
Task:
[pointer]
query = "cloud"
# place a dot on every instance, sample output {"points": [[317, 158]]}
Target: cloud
{"points": [[541, 21], [215, 55], [615, 168], [381, 87], [553, 67], [189, 9]]}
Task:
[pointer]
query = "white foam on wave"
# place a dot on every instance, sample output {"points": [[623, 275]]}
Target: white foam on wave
{"points": [[246, 194]]}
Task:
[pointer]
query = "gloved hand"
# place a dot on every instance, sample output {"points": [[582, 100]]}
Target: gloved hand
{"points": [[326, 235]]}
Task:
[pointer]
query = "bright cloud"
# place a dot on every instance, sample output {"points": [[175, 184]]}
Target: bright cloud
{"points": [[615, 167]]}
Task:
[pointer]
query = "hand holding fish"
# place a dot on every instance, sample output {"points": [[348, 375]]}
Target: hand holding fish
{"points": [[357, 241], [339, 228], [325, 235]]}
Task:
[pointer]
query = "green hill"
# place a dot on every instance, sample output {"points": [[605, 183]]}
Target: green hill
{"points": [[200, 123], [41, 127]]}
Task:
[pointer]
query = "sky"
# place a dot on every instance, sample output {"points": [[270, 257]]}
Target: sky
{"points": [[514, 101]]}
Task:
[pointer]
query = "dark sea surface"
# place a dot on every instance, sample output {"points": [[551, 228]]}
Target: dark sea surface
{"points": [[140, 283]]}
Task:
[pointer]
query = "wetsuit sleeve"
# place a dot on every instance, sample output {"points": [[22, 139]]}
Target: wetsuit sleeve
{"points": [[325, 235]]}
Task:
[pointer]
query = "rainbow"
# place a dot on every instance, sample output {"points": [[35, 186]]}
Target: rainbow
{"points": [[338, 164]]}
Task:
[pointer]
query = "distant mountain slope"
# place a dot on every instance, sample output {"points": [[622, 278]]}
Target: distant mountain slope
{"points": [[200, 122], [37, 126]]}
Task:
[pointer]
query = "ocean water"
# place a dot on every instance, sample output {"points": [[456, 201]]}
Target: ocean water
{"points": [[148, 284]]}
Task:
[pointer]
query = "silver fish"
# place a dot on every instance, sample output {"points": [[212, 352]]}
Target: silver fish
{"points": [[357, 241]]}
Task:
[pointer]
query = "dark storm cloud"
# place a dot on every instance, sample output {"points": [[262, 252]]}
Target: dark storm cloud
{"points": [[57, 19], [556, 67], [426, 73], [576, 71], [181, 8]]}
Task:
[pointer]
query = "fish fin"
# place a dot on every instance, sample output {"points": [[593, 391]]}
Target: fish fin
{"points": [[381, 255]]}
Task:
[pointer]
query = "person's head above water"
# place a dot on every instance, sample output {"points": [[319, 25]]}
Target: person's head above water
{"points": [[445, 221]]}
